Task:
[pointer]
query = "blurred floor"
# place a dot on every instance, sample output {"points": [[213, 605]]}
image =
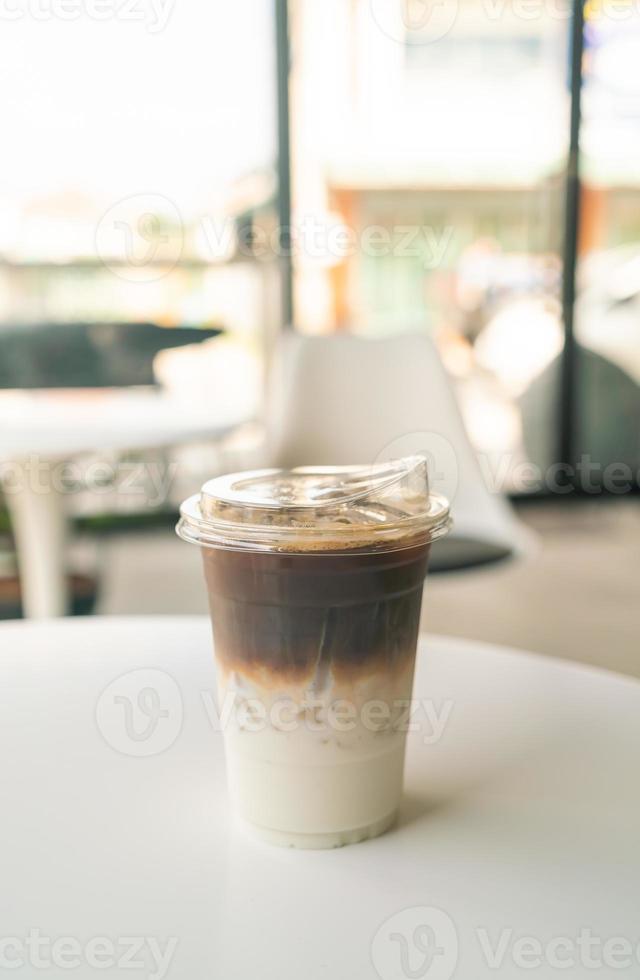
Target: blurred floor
{"points": [[578, 597]]}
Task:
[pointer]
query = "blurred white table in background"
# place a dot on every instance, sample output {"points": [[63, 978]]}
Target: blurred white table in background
{"points": [[517, 844], [40, 429]]}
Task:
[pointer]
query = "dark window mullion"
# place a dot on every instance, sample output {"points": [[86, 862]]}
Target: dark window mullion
{"points": [[283, 58], [569, 366]]}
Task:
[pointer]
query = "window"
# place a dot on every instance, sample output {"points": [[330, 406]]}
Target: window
{"points": [[441, 149], [133, 149], [608, 306]]}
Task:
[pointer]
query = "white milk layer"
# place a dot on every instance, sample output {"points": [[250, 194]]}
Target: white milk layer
{"points": [[313, 770], [317, 805]]}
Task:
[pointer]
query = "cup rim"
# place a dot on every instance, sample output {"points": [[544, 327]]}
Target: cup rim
{"points": [[397, 535]]}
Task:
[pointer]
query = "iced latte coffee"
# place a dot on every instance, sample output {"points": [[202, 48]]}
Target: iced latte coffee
{"points": [[315, 581]]}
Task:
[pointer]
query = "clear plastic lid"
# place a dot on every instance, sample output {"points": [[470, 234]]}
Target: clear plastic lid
{"points": [[317, 508]]}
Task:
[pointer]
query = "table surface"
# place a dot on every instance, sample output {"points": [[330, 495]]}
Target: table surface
{"points": [[517, 843], [70, 421]]}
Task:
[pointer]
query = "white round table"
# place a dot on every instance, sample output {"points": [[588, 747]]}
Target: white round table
{"points": [[516, 852], [39, 430]]}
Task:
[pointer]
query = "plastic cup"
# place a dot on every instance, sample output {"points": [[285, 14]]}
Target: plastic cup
{"points": [[315, 580]]}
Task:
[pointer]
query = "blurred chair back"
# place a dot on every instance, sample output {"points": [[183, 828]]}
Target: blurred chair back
{"points": [[344, 399]]}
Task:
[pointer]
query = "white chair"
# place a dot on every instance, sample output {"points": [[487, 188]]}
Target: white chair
{"points": [[345, 399]]}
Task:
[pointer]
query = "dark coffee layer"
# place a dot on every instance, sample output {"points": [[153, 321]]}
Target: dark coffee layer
{"points": [[302, 616]]}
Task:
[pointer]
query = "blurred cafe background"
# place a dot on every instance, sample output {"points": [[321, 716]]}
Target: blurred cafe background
{"points": [[222, 222]]}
